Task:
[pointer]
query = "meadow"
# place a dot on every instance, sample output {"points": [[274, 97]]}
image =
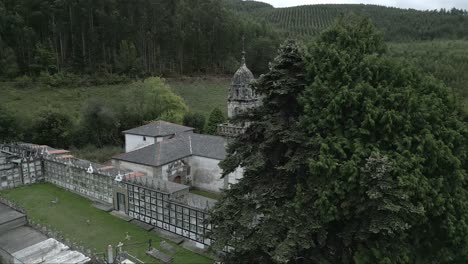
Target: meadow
{"points": [[201, 95]]}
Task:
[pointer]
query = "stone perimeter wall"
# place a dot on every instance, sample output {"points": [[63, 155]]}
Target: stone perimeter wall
{"points": [[16, 171], [169, 214]]}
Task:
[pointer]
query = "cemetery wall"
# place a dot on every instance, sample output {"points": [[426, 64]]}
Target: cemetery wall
{"points": [[174, 212], [75, 178], [16, 171]]}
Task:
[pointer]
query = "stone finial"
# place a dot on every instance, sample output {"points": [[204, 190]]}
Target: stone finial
{"points": [[243, 51], [119, 177], [90, 169]]}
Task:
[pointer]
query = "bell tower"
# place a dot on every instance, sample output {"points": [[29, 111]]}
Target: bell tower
{"points": [[240, 98]]}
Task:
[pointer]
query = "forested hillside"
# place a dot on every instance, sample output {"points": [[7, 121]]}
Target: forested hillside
{"points": [[131, 37], [396, 24], [178, 37], [434, 41], [445, 60]]}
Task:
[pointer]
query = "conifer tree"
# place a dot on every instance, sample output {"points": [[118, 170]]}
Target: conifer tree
{"points": [[368, 165], [216, 118], [251, 216]]}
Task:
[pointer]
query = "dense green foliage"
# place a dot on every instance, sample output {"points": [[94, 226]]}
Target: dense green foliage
{"points": [[195, 120], [446, 60], [71, 214], [98, 125], [145, 101], [52, 128], [8, 125], [216, 118], [136, 37], [354, 157], [397, 24], [149, 100]]}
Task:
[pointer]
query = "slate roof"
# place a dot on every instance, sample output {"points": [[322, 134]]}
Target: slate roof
{"points": [[208, 146], [176, 148], [158, 129]]}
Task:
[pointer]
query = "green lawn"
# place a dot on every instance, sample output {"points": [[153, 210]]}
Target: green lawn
{"points": [[69, 217]]}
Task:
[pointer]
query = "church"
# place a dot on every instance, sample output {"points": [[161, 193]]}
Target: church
{"points": [[175, 153]]}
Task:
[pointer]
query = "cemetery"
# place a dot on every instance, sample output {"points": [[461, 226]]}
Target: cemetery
{"points": [[75, 219]]}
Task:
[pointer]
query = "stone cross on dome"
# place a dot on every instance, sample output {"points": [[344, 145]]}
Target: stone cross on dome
{"points": [[243, 51]]}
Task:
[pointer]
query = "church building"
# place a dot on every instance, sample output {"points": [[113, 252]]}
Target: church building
{"points": [[175, 153]]}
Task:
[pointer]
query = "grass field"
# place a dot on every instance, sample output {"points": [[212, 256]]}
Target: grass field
{"points": [[200, 94], [27, 102], [70, 216]]}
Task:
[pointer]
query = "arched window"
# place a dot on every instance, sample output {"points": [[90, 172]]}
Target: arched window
{"points": [[236, 111]]}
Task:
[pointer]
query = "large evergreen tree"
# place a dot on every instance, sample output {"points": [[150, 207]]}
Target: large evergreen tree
{"points": [[368, 166], [253, 216]]}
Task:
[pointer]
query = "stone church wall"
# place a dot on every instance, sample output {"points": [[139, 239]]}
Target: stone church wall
{"points": [[206, 174]]}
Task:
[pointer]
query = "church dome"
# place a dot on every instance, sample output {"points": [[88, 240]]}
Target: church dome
{"points": [[243, 75]]}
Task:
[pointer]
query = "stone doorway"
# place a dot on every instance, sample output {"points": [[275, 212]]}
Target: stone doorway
{"points": [[121, 202], [178, 179]]}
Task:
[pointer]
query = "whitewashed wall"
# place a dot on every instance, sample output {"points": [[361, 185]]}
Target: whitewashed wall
{"points": [[206, 174], [150, 171], [133, 142]]}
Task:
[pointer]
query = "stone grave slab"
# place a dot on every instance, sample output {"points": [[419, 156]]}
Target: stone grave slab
{"points": [[143, 225], [103, 207], [168, 247], [159, 255]]}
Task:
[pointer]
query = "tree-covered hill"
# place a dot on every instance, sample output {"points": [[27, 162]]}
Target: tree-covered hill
{"points": [[396, 24], [179, 37], [131, 37]]}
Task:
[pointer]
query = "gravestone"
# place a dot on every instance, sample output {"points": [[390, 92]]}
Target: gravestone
{"points": [[159, 255], [168, 247]]}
